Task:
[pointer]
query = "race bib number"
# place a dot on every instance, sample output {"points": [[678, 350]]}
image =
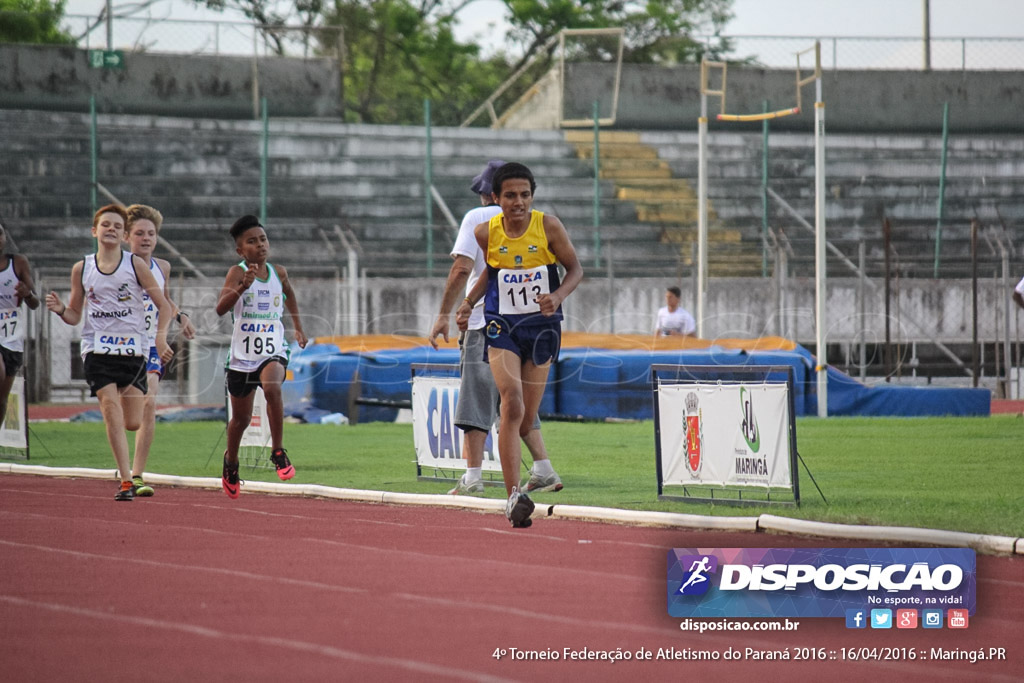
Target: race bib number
{"points": [[107, 344], [518, 290], [11, 326], [150, 312], [256, 341]]}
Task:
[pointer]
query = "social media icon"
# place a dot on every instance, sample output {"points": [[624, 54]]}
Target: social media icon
{"points": [[906, 618], [957, 618], [856, 618], [931, 618], [881, 618]]}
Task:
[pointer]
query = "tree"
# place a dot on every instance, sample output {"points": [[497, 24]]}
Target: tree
{"points": [[33, 21], [399, 52], [656, 31]]}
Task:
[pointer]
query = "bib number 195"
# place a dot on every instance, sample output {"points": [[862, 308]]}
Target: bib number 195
{"points": [[259, 346]]}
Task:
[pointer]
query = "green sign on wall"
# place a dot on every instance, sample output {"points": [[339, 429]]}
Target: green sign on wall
{"points": [[106, 59]]}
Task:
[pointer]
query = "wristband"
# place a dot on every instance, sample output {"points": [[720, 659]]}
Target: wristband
{"points": [[181, 313], [471, 304]]}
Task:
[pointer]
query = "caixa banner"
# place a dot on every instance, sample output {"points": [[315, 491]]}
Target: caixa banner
{"points": [[438, 442], [817, 582]]}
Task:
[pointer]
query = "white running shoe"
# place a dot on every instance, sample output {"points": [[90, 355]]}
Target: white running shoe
{"points": [[540, 483], [466, 489]]}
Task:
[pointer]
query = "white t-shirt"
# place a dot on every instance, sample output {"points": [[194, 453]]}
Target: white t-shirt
{"points": [[466, 245], [1020, 287], [678, 321]]}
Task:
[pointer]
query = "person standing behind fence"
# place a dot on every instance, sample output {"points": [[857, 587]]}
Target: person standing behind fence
{"points": [[141, 230], [1018, 293], [15, 288], [672, 319], [523, 312], [478, 397], [107, 288], [257, 294]]}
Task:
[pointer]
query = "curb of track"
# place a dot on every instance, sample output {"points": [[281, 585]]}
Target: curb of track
{"points": [[985, 543]]}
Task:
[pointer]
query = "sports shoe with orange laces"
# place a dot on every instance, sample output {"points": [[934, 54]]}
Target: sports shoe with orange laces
{"points": [[125, 492]]}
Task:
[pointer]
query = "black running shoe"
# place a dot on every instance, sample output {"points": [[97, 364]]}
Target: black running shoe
{"points": [[518, 509], [125, 492]]}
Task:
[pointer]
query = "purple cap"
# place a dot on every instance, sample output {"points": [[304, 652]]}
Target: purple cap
{"points": [[482, 183]]}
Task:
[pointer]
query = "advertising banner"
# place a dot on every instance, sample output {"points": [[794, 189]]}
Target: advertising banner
{"points": [[725, 434], [14, 430], [438, 442]]}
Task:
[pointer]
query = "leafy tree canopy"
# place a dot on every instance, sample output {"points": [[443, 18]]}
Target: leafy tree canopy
{"points": [[33, 21], [397, 53]]}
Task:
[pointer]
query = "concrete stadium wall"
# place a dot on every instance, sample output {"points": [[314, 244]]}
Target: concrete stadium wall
{"points": [[921, 310], [668, 98], [652, 97], [60, 79]]}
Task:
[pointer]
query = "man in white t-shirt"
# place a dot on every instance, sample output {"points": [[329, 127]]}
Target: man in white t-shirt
{"points": [[1018, 293], [673, 319], [477, 404]]}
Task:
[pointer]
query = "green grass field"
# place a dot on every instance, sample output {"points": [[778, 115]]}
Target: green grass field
{"points": [[964, 474]]}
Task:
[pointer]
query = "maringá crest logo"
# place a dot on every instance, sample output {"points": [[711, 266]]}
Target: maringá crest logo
{"points": [[751, 433]]}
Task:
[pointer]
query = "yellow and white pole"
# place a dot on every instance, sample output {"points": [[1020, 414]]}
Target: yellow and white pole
{"points": [[702, 203], [820, 240]]}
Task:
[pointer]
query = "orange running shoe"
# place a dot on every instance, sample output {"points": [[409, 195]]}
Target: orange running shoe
{"points": [[284, 467]]}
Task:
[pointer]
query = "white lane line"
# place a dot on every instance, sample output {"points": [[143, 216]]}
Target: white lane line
{"points": [[530, 567], [531, 535], [189, 567], [271, 642]]}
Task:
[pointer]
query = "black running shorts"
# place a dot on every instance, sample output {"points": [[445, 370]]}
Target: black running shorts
{"points": [[124, 371]]}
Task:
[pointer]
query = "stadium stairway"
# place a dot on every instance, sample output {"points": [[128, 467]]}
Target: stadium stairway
{"points": [[868, 178], [666, 202]]}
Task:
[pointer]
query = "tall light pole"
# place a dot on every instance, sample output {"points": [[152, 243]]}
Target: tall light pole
{"points": [[927, 35]]}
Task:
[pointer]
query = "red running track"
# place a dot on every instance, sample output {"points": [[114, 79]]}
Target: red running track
{"points": [[191, 586]]}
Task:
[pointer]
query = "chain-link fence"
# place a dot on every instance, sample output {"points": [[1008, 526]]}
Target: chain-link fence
{"points": [[837, 52], [204, 37], [898, 53]]}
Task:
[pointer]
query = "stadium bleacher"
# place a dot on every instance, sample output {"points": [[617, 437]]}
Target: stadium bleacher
{"points": [[368, 180]]}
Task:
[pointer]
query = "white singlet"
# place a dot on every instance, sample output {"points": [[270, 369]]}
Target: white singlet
{"points": [[151, 312], [12, 318], [114, 321], [257, 330]]}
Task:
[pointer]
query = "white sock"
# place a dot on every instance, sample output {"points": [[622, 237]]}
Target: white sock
{"points": [[473, 474], [542, 467]]}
